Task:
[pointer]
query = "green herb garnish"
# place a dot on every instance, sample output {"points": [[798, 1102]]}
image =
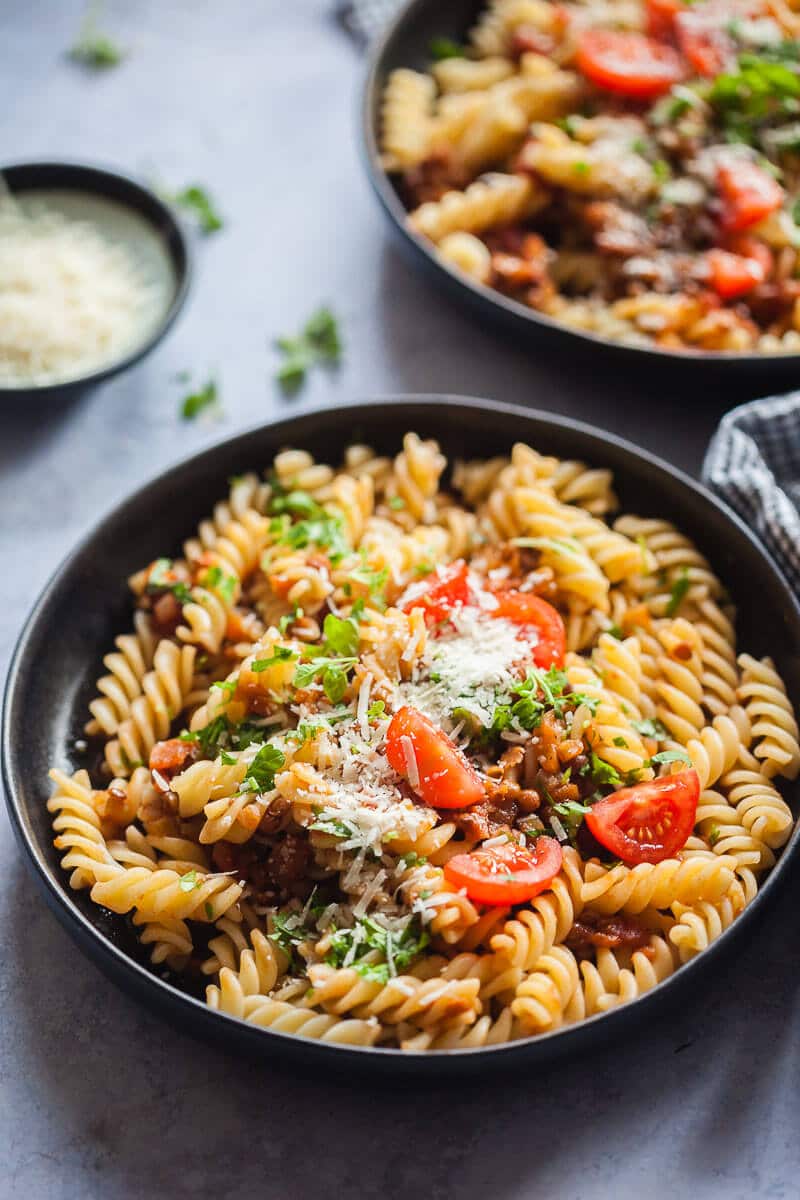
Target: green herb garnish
{"points": [[444, 47], [260, 775], [196, 201], [158, 581], [281, 654], [678, 592], [206, 397], [319, 343]]}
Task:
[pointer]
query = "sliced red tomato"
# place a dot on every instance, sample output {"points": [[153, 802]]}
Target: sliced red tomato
{"points": [[439, 593], [506, 874], [732, 275], [748, 192], [650, 821], [661, 16], [628, 64], [703, 36], [548, 636], [433, 765]]}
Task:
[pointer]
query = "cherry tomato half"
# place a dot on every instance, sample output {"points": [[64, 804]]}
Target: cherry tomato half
{"points": [[704, 38], [648, 822], [749, 193], [506, 874], [628, 64], [732, 275], [661, 16], [548, 635], [440, 774], [439, 593]]}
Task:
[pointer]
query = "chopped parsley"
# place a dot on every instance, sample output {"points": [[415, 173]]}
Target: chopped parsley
{"points": [[350, 947], [445, 47], [201, 400], [94, 49], [341, 634], [763, 89], [714, 834], [678, 592], [602, 773], [396, 502], [189, 881], [652, 728], [222, 734], [281, 654], [319, 343], [332, 673], [260, 776], [376, 710], [670, 756], [215, 580], [196, 201], [158, 580], [571, 815]]}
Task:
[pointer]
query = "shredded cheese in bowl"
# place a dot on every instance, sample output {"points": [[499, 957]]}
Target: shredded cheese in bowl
{"points": [[77, 292]]}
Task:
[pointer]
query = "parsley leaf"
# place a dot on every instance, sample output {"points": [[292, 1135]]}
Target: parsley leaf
{"points": [[341, 635], [376, 709], [281, 654], [159, 580], [651, 727], [445, 47], [571, 815], [189, 881], [319, 343], [195, 200], [260, 776], [198, 401], [215, 580], [678, 593], [668, 756], [94, 49], [398, 949]]}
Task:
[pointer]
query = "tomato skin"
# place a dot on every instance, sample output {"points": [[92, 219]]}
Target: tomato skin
{"points": [[440, 592], [628, 64], [506, 874], [748, 192], [529, 611], [661, 16], [704, 38], [617, 820], [446, 778], [733, 275]]}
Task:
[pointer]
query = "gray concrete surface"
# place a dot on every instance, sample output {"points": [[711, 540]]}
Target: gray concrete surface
{"points": [[97, 1097]]}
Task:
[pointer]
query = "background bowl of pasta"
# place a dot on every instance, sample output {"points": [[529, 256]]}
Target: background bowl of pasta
{"points": [[274, 877], [575, 178]]}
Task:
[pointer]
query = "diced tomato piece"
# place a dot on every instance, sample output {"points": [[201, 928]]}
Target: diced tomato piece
{"points": [[732, 275], [439, 593], [506, 874], [433, 765], [661, 16], [171, 756], [648, 822], [628, 64], [541, 623], [750, 246], [749, 193], [704, 38]]}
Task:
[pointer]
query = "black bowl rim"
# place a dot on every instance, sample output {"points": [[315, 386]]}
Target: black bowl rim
{"points": [[382, 186], [93, 178], [219, 1026]]}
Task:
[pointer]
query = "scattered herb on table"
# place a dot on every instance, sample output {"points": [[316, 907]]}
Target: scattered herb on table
{"points": [[94, 49], [196, 201], [201, 400], [318, 344]]}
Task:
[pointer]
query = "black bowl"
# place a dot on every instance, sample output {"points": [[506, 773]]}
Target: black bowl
{"points": [[406, 43], [86, 604], [112, 185]]}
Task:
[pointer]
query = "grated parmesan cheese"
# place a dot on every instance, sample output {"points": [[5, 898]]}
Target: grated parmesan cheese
{"points": [[71, 299]]}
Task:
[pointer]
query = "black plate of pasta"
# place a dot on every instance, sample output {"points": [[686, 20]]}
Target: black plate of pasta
{"points": [[433, 744], [622, 175]]}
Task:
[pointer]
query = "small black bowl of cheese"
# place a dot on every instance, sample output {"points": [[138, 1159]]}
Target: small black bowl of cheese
{"points": [[94, 269]]}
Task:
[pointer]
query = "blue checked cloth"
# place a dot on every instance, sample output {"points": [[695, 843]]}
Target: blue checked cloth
{"points": [[753, 462]]}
